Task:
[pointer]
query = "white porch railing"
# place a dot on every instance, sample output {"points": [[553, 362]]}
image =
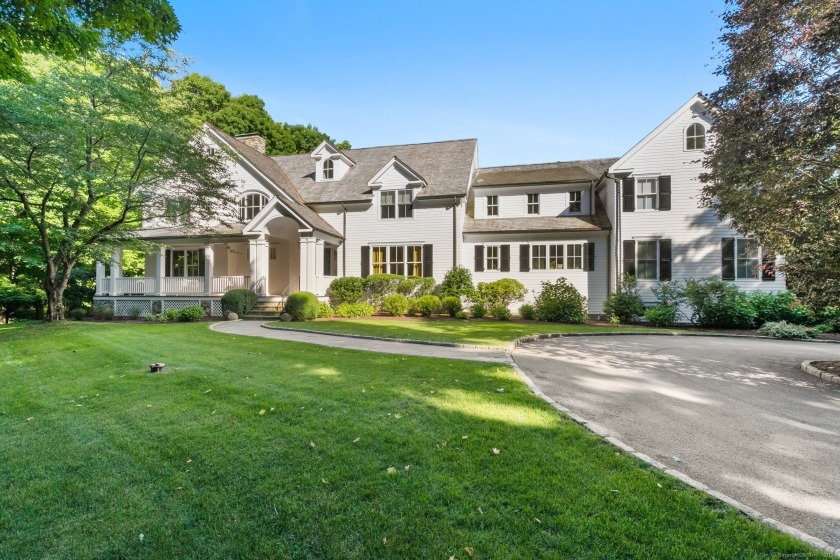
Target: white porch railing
{"points": [[134, 285], [183, 285], [222, 284]]}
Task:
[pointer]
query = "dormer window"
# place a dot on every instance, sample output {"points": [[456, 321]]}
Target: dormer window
{"points": [[329, 167], [396, 204], [695, 137], [250, 205]]}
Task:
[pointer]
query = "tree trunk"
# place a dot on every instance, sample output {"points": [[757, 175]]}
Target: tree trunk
{"points": [[55, 292]]}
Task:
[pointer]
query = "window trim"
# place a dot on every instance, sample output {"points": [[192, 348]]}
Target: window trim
{"points": [[243, 209], [654, 195], [578, 202], [325, 170], [401, 211], [497, 258], [686, 137], [655, 258], [186, 254], [388, 266], [529, 204], [756, 275], [494, 206]]}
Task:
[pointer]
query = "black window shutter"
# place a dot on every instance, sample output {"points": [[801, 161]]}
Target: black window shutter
{"points": [[665, 192], [589, 256], [479, 258], [630, 257], [504, 265], [524, 258], [629, 194], [768, 265], [428, 263], [168, 265], [365, 262], [201, 262], [665, 260], [727, 249]]}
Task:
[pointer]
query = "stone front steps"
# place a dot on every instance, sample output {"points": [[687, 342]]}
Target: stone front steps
{"points": [[268, 308]]}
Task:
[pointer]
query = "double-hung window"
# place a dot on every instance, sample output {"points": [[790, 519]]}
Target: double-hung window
{"points": [[575, 201], [646, 194], [533, 203], [574, 256], [405, 204], [396, 204], [329, 169], [403, 260], [538, 257], [185, 262], [746, 258], [492, 205], [646, 260], [388, 204], [555, 257], [492, 257]]}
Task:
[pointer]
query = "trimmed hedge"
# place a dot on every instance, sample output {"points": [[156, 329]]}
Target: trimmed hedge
{"points": [[350, 289], [354, 310], [191, 314], [451, 305], [239, 301], [560, 302], [395, 304], [302, 306], [428, 305], [324, 310]]}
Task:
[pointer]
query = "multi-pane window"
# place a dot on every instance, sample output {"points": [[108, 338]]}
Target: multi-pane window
{"points": [[555, 257], [405, 204], [250, 205], [574, 256], [646, 194], [646, 260], [396, 204], [185, 262], [695, 137], [404, 260], [492, 257], [329, 168], [575, 201], [534, 203], [388, 202], [493, 205], [538, 257], [746, 258]]}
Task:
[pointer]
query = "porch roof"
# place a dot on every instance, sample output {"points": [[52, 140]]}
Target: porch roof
{"points": [[174, 232]]}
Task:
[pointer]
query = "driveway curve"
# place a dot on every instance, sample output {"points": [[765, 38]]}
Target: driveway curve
{"points": [[736, 414]]}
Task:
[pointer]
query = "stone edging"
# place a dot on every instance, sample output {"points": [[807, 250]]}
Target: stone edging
{"points": [[816, 372], [743, 508]]}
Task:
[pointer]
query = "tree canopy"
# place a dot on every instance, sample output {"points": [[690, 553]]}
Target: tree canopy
{"points": [[774, 162], [70, 28], [211, 102]]}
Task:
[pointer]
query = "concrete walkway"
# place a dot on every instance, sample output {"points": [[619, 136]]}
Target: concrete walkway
{"points": [[254, 328]]}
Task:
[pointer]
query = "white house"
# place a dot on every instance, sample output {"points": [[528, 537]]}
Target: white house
{"points": [[421, 209]]}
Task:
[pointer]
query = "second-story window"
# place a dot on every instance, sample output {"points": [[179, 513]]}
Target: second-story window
{"points": [[493, 205], [250, 205], [387, 200], [396, 204], [646, 194], [575, 201], [405, 209], [329, 167], [534, 203]]}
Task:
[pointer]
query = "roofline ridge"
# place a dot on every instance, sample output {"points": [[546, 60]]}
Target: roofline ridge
{"points": [[545, 163]]}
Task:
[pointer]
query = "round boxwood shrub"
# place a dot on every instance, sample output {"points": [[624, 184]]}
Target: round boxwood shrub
{"points": [[412, 307], [451, 305], [527, 312], [415, 286], [661, 315], [354, 310], [349, 289], [302, 306], [191, 314], [501, 312], [504, 291], [324, 310], [395, 304], [239, 301], [479, 311], [428, 305], [461, 315], [560, 302]]}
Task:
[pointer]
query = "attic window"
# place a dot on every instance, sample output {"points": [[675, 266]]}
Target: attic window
{"points": [[250, 205], [329, 166], [695, 137]]}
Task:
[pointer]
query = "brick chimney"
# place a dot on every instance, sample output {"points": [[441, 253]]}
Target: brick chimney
{"points": [[253, 140]]}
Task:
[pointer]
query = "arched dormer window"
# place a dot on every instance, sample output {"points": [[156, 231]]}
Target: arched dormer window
{"points": [[250, 205], [695, 137], [328, 168]]}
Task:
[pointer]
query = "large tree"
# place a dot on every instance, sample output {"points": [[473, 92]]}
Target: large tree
{"points": [[86, 147], [774, 160], [72, 28]]}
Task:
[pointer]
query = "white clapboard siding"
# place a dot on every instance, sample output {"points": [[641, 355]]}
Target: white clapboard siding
{"points": [[513, 201]]}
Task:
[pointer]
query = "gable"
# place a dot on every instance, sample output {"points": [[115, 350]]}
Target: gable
{"points": [[396, 174], [331, 164]]}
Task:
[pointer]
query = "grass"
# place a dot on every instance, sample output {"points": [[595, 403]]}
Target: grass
{"points": [[479, 332], [258, 448]]}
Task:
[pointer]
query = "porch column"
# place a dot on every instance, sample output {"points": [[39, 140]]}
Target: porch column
{"points": [[160, 269], [100, 278], [307, 264], [116, 270], [258, 263], [208, 269], [319, 267]]}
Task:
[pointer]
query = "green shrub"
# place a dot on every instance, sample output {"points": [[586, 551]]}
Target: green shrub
{"points": [[458, 282], [102, 312], [395, 304], [479, 311], [415, 286], [661, 315], [302, 306], [451, 305], [500, 312], [779, 306], [191, 314], [324, 310], [354, 310], [239, 301], [169, 315], [560, 302], [77, 314], [527, 312], [378, 286], [504, 291], [720, 304], [21, 302], [830, 316], [783, 329], [626, 303], [134, 311], [461, 315], [428, 305], [349, 289], [412, 307]]}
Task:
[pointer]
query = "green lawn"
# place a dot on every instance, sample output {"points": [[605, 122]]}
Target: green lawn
{"points": [[481, 332], [258, 448]]}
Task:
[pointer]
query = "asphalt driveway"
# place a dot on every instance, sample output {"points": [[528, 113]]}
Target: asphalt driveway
{"points": [[735, 414]]}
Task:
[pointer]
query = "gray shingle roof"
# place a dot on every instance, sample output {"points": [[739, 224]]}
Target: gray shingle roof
{"points": [[189, 231], [543, 173], [446, 167]]}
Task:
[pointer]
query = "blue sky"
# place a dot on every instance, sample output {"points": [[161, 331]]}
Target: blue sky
{"points": [[533, 81]]}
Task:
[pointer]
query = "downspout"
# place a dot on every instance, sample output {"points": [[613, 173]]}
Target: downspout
{"points": [[344, 234], [616, 230], [454, 231]]}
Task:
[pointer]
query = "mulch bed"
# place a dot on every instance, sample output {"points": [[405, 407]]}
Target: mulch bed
{"points": [[830, 367]]}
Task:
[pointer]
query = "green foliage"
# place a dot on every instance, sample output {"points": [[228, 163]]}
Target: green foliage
{"points": [[354, 310], [718, 304], [560, 302], [302, 306], [412, 307], [191, 314], [77, 314], [501, 292], [377, 286], [670, 296], [528, 312], [428, 305], [102, 312], [479, 311], [626, 303], [415, 286], [395, 304], [500, 312], [458, 282], [779, 306], [783, 329], [19, 301], [451, 305], [350, 289], [661, 315], [325, 311], [169, 316], [134, 312], [830, 316], [239, 301], [461, 315]]}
